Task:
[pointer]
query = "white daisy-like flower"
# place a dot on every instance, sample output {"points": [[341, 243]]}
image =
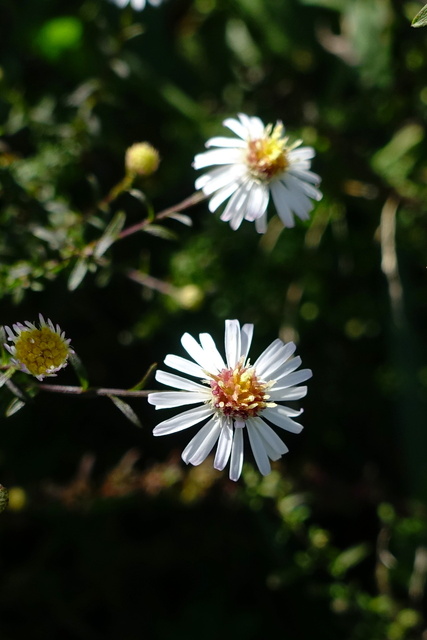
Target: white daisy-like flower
{"points": [[40, 351], [233, 395], [138, 5], [259, 162]]}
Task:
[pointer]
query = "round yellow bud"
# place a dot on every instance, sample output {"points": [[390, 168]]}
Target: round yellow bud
{"points": [[141, 159]]}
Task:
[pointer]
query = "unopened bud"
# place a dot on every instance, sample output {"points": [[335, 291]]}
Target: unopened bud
{"points": [[141, 159]]}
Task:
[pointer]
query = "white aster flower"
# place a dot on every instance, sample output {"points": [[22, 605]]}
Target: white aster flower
{"points": [[138, 5], [259, 162], [233, 395], [40, 351]]}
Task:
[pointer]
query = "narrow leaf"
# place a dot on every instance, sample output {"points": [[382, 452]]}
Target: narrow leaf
{"points": [[80, 370], [180, 217], [14, 407], [77, 274], [160, 232], [141, 384], [127, 411], [420, 19], [110, 234], [4, 377]]}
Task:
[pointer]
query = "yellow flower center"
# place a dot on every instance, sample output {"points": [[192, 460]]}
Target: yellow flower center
{"points": [[41, 351], [238, 393], [267, 157]]}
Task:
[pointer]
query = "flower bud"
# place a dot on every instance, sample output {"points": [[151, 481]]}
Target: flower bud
{"points": [[141, 159]]}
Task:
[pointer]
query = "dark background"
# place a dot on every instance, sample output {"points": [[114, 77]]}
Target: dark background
{"points": [[108, 534]]}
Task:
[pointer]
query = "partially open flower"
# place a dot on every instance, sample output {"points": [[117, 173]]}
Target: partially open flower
{"points": [[42, 351]]}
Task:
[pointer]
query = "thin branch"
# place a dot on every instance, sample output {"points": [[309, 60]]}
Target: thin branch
{"points": [[91, 392]]}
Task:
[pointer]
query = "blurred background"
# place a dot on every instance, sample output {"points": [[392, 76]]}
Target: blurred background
{"points": [[108, 534]]}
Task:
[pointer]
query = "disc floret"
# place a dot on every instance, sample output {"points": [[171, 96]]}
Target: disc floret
{"points": [[267, 157], [237, 392], [39, 351]]}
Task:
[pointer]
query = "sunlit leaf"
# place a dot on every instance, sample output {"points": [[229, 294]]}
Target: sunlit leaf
{"points": [[126, 410], [141, 384], [77, 274], [4, 377], [420, 19], [182, 218], [80, 370], [110, 234], [349, 558], [160, 232], [14, 407]]}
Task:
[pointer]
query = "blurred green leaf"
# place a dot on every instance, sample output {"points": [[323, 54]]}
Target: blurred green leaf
{"points": [[80, 370], [420, 19], [126, 410], [78, 273], [141, 384], [14, 407], [110, 234], [349, 559], [160, 232], [58, 36]]}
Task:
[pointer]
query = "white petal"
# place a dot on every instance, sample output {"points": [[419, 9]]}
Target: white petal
{"points": [[291, 379], [138, 4], [224, 446], [293, 393], [271, 359], [198, 354], [257, 202], [236, 462], [171, 399], [278, 416], [171, 380], [261, 224], [258, 449], [232, 342], [222, 195], [217, 156], [246, 334], [222, 141], [253, 125], [274, 446], [285, 369], [209, 346], [182, 421], [185, 366], [203, 442], [280, 202], [236, 127], [305, 175], [302, 153], [220, 178]]}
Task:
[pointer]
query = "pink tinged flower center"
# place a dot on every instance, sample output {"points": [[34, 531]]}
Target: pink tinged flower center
{"points": [[238, 393], [267, 157], [41, 350]]}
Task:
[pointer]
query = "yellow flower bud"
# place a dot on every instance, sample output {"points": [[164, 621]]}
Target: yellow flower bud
{"points": [[141, 159]]}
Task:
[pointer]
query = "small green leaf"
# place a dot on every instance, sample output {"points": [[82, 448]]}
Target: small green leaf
{"points": [[160, 232], [77, 274], [141, 384], [4, 377], [80, 370], [182, 218], [349, 558], [14, 407], [110, 234], [126, 410], [420, 19]]}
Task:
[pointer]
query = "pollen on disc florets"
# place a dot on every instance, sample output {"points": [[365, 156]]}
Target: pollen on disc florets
{"points": [[267, 157], [237, 393], [40, 351]]}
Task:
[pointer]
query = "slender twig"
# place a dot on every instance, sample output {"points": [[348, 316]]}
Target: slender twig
{"points": [[91, 392], [197, 197]]}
